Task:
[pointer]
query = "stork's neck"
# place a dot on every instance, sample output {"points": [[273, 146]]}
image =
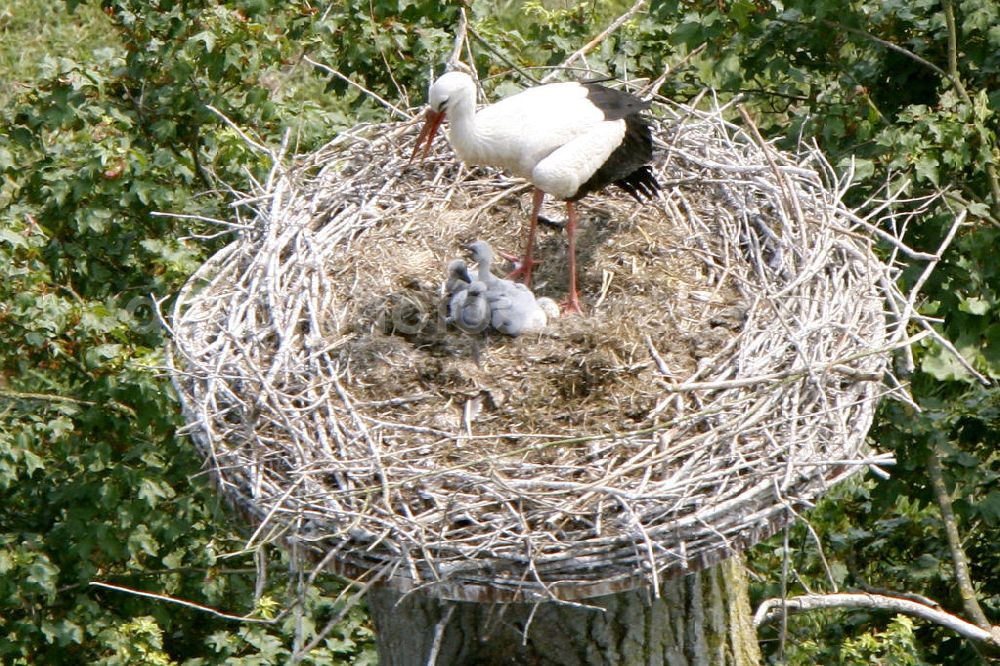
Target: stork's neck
{"points": [[462, 133], [485, 272]]}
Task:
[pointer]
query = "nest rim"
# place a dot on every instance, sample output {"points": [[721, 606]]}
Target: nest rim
{"points": [[520, 573]]}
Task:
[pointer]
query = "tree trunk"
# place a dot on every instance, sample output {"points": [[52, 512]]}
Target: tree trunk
{"points": [[701, 618]]}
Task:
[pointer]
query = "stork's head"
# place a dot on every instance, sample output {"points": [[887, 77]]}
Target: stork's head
{"points": [[451, 90], [458, 270], [481, 252], [477, 288]]}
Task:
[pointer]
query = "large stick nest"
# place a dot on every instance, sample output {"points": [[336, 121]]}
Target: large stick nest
{"points": [[725, 373]]}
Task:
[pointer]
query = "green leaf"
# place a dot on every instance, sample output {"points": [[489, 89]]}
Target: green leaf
{"points": [[174, 560], [97, 356], [32, 461], [152, 491], [927, 168], [164, 130], [989, 508], [62, 632], [974, 305], [863, 168], [59, 427], [43, 574], [144, 190], [13, 238], [207, 38], [978, 209], [942, 365], [142, 540]]}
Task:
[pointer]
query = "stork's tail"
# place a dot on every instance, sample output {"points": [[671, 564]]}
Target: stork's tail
{"points": [[641, 184]]}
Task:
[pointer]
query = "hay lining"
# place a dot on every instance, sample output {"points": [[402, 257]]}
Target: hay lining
{"points": [[725, 375]]}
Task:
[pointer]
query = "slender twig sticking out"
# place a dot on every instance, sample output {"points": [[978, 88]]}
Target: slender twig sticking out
{"points": [[654, 86], [460, 38], [387, 104], [256, 145], [589, 46], [501, 57], [439, 634], [183, 602]]}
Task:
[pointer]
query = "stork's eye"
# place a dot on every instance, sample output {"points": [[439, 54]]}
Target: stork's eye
{"points": [[442, 104]]}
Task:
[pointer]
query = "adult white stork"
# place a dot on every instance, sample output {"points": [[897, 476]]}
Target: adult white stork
{"points": [[567, 139]]}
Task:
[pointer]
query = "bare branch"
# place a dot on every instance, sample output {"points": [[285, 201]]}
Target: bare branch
{"points": [[891, 46], [387, 104], [502, 58], [654, 86], [460, 36], [44, 397], [589, 46], [772, 608], [439, 634], [256, 145], [181, 602]]}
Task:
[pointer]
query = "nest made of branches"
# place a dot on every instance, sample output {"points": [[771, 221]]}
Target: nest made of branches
{"points": [[725, 372]]}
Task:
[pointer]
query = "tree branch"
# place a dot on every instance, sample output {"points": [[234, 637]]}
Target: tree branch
{"points": [[989, 639], [951, 76], [958, 558], [949, 19], [330, 70], [586, 48], [500, 56], [46, 397], [892, 46], [182, 602], [460, 36]]}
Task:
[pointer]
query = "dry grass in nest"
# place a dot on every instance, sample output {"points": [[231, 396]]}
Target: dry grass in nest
{"points": [[725, 373], [579, 376]]}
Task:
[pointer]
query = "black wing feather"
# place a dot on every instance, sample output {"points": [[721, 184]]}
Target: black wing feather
{"points": [[628, 164], [616, 104]]}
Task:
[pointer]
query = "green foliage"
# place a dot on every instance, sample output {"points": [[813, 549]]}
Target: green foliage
{"points": [[96, 483], [30, 30], [894, 646], [135, 643], [383, 45]]}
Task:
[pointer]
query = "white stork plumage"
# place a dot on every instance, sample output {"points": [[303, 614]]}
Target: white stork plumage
{"points": [[567, 139]]}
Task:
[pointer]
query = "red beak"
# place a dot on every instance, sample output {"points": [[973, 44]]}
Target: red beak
{"points": [[432, 120]]}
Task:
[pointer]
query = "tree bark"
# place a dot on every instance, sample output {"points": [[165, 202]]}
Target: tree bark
{"points": [[700, 618]]}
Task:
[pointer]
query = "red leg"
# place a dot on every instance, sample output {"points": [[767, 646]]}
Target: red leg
{"points": [[526, 262], [572, 302]]}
